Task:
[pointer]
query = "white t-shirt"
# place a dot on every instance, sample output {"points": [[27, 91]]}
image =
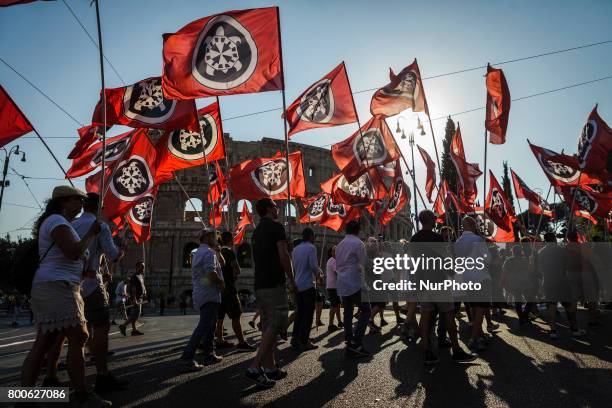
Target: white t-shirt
{"points": [[121, 292], [330, 274], [56, 266]]}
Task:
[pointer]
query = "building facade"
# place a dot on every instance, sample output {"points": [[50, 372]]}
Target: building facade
{"points": [[177, 220]]}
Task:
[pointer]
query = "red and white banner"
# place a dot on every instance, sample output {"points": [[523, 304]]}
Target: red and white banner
{"points": [[596, 204], [537, 205], [181, 149], [497, 205], [143, 105], [140, 216], [405, 91], [467, 173], [370, 146], [398, 197], [498, 105], [13, 123], [88, 135], [595, 144], [91, 158], [431, 172], [245, 219], [268, 177], [217, 183], [321, 209], [327, 102], [490, 229], [367, 188], [235, 52]]}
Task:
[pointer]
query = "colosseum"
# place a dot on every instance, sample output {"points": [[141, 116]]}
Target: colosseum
{"points": [[176, 220]]}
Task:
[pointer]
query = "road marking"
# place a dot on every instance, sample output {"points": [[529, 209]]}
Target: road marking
{"points": [[16, 343]]}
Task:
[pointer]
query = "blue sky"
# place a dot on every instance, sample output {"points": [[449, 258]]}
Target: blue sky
{"points": [[44, 42]]}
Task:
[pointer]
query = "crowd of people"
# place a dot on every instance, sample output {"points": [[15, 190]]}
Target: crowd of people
{"points": [[70, 302]]}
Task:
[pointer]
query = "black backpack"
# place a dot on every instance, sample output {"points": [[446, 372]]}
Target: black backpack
{"points": [[25, 263]]}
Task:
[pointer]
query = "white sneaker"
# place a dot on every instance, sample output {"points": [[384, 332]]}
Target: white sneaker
{"points": [[578, 333], [192, 365]]}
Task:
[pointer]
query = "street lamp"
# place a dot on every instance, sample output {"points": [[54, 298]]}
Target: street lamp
{"points": [[7, 157], [400, 129]]}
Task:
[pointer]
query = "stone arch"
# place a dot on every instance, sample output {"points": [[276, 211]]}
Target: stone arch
{"points": [[191, 214]]}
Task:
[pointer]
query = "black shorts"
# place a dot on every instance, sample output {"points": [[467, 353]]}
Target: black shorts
{"points": [[320, 297], [97, 308], [230, 305], [334, 299]]}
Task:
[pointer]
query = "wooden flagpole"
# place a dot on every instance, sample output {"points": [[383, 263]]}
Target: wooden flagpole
{"points": [[101, 54]]}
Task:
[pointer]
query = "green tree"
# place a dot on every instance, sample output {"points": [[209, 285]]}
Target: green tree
{"points": [[507, 185], [449, 173]]}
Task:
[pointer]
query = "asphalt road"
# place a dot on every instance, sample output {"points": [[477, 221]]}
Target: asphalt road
{"points": [[521, 368]]}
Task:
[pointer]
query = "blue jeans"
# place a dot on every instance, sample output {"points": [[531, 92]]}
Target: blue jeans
{"points": [[350, 335], [204, 331]]}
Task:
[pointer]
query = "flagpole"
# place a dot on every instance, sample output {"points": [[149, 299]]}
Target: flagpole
{"points": [[523, 217], [229, 218], [416, 208], [189, 199], [214, 221], [322, 247], [101, 53], [52, 155], [542, 214], [571, 215], [484, 189]]}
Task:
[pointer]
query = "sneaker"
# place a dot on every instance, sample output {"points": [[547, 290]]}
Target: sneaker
{"points": [[332, 328], [373, 328], [492, 327], [430, 358], [578, 333], [122, 329], [460, 356], [383, 322], [212, 359], [260, 378], [192, 365], [51, 382], [399, 320], [252, 323], [444, 343], [90, 399], [553, 334], [319, 324], [109, 383], [245, 346], [276, 374], [137, 333], [341, 325], [357, 350], [224, 344]]}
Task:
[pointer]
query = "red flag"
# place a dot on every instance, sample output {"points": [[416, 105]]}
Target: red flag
{"points": [[143, 105], [387, 169], [140, 216], [537, 205], [439, 206], [541, 207], [596, 204], [586, 215], [235, 52], [267, 177], [217, 183], [561, 170], [88, 135], [180, 149], [609, 224], [91, 158], [498, 105], [431, 173], [594, 144], [497, 205], [6, 3], [490, 229], [245, 219], [13, 123], [362, 191], [314, 208], [337, 215], [132, 177], [327, 102], [405, 91], [370, 146], [467, 173], [399, 196], [460, 205]]}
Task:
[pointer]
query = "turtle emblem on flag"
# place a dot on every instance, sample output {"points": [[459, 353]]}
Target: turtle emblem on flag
{"points": [[584, 200], [225, 55], [336, 209], [405, 88], [370, 148], [113, 151], [141, 213], [362, 187], [271, 177], [316, 208], [558, 171], [213, 177], [188, 145], [144, 101], [398, 189], [132, 179], [497, 204], [317, 104], [486, 226], [589, 130]]}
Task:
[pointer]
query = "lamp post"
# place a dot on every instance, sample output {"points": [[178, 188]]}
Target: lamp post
{"points": [[416, 208], [7, 158]]}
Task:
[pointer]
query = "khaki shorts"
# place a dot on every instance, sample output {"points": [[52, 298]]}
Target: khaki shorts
{"points": [[273, 307]]}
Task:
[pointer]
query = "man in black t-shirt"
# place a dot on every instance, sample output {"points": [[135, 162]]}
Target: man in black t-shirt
{"points": [[273, 270], [230, 304]]}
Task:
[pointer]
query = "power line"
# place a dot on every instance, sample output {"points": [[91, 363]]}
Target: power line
{"points": [[23, 206], [44, 178], [92, 40], [42, 93], [28, 187]]}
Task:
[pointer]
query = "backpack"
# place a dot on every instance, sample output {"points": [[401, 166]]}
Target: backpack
{"points": [[25, 263]]}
